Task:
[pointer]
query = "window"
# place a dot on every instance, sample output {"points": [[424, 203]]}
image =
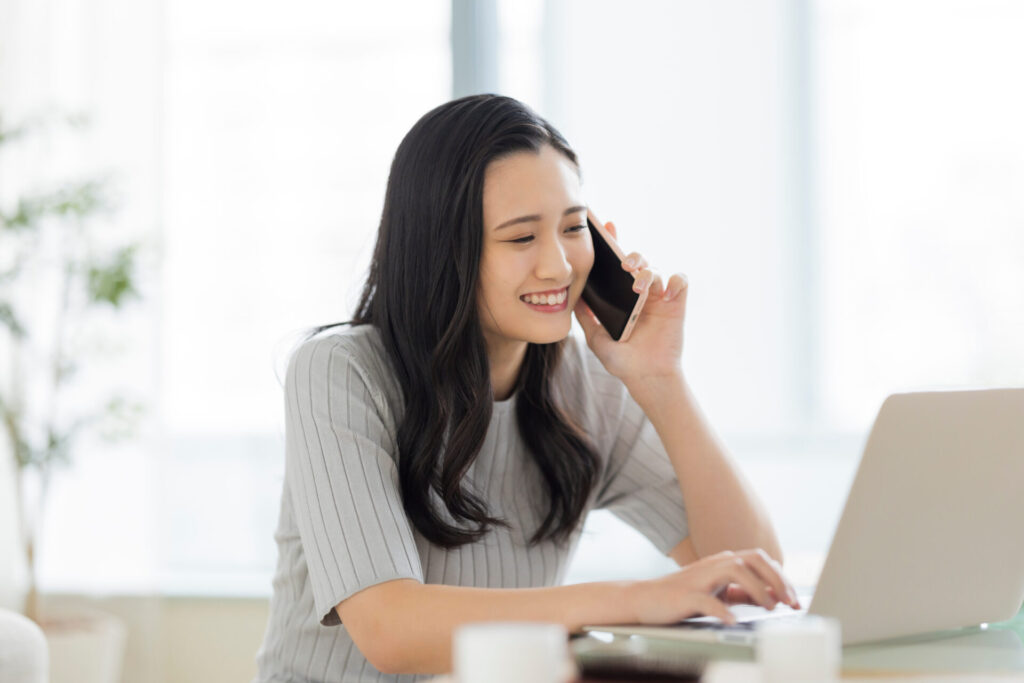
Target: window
{"points": [[842, 187], [279, 135], [275, 131], [921, 158]]}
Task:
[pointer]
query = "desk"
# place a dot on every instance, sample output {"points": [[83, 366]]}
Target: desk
{"points": [[965, 654], [994, 654]]}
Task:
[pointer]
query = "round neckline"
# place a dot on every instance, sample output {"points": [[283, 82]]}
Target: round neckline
{"points": [[504, 407]]}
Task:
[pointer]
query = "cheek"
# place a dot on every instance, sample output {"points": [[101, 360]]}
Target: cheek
{"points": [[505, 275], [497, 281], [583, 260]]}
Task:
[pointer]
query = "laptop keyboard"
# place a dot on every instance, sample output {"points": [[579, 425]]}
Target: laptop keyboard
{"points": [[749, 625], [719, 626]]}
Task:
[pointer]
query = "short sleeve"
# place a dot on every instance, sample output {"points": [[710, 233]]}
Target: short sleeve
{"points": [[343, 480], [640, 485]]}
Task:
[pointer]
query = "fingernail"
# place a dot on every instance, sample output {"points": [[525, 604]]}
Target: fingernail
{"points": [[631, 261]]}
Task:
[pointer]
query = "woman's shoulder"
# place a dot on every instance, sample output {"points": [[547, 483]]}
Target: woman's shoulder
{"points": [[339, 352], [358, 344]]}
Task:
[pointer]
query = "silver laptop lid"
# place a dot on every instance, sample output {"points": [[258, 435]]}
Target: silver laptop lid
{"points": [[931, 536]]}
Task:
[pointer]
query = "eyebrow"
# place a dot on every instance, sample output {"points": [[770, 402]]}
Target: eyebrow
{"points": [[536, 217]]}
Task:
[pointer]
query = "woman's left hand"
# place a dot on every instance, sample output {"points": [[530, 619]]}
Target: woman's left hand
{"points": [[654, 350]]}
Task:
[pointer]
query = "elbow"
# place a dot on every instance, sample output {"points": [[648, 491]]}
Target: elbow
{"points": [[381, 652], [389, 666], [390, 655], [375, 623], [395, 662], [379, 647]]}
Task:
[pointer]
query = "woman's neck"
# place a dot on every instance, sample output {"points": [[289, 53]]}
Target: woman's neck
{"points": [[506, 358]]}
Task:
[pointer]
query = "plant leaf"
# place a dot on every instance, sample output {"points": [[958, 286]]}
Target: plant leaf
{"points": [[58, 448], [12, 424], [26, 215], [79, 199], [9, 134], [113, 282], [10, 320], [121, 418]]}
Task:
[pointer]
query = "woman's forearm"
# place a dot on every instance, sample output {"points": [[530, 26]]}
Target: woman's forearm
{"points": [[412, 625], [723, 511]]}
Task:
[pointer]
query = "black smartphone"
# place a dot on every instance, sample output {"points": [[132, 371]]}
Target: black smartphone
{"points": [[609, 288]]}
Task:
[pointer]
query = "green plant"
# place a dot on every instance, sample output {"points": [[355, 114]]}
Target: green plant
{"points": [[53, 247]]}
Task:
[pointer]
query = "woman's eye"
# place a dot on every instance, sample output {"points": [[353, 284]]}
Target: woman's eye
{"points": [[529, 238]]}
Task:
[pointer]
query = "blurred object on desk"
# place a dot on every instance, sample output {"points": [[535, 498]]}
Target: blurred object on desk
{"points": [[512, 652], [604, 657], [804, 649]]}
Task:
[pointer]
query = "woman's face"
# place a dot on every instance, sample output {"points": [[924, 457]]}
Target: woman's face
{"points": [[537, 251]]}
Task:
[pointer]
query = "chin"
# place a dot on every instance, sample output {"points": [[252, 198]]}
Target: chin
{"points": [[549, 336]]}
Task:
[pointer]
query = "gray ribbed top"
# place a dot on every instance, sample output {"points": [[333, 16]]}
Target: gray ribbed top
{"points": [[342, 527]]}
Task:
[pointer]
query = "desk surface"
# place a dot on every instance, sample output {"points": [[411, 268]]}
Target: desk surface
{"points": [[979, 655], [996, 649]]}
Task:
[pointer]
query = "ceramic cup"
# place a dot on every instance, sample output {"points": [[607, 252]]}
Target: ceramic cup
{"points": [[804, 650], [511, 652]]}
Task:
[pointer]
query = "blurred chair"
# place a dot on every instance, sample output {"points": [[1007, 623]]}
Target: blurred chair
{"points": [[23, 653]]}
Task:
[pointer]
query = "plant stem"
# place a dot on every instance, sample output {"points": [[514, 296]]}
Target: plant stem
{"points": [[34, 525], [32, 599], [26, 527]]}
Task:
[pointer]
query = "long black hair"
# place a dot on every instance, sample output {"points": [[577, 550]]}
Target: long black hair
{"points": [[421, 295]]}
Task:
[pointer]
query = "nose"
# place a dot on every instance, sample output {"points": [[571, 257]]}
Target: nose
{"points": [[552, 262]]}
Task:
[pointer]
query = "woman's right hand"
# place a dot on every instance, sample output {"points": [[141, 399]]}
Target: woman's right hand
{"points": [[708, 585]]}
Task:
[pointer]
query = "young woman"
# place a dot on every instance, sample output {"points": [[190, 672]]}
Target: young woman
{"points": [[444, 448]]}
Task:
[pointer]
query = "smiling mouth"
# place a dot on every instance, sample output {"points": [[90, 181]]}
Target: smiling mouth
{"points": [[548, 299]]}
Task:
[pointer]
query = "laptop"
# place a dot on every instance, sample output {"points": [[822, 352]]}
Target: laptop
{"points": [[932, 534]]}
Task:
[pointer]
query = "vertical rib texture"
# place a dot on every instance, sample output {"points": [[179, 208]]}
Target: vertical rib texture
{"points": [[342, 527]]}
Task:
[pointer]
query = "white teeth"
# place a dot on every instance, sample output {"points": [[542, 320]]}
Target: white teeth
{"points": [[545, 299]]}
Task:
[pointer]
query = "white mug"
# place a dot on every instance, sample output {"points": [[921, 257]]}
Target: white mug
{"points": [[511, 652], [804, 650]]}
